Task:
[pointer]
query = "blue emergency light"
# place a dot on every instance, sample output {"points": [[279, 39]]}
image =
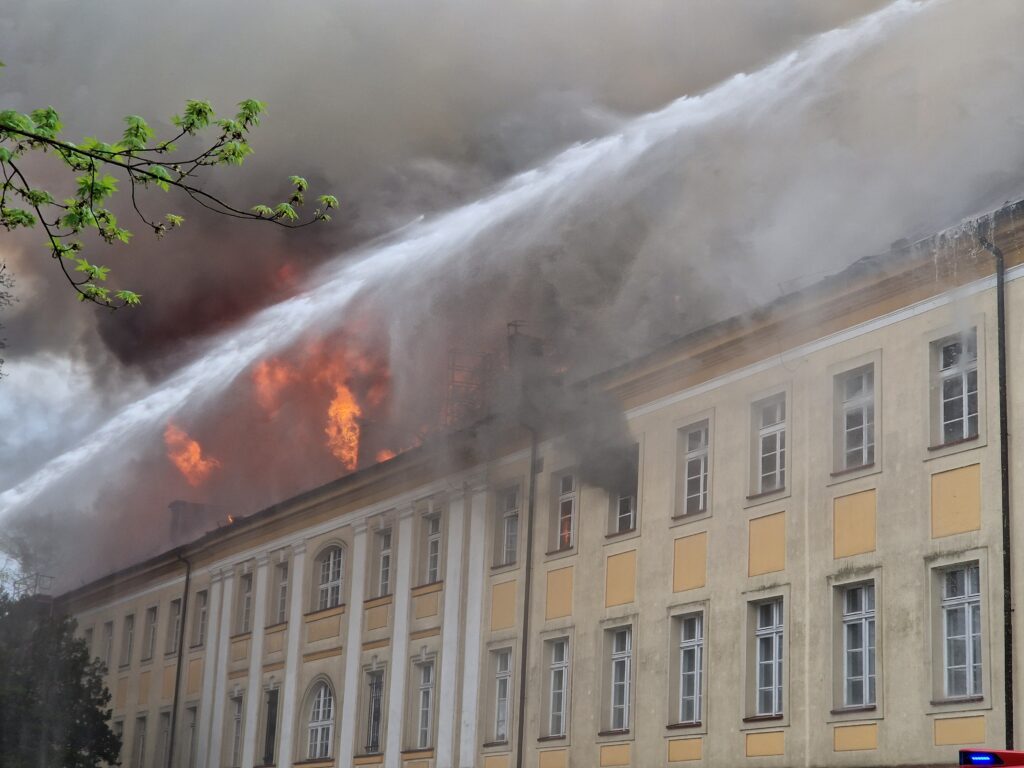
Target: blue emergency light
{"points": [[990, 757]]}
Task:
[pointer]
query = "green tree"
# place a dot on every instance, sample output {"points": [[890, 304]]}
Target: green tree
{"points": [[54, 707], [144, 161]]}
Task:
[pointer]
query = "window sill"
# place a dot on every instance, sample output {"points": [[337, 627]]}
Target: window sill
{"points": [[366, 754], [240, 636], [619, 732], [422, 754], [762, 718], [854, 710], [954, 443], [274, 628], [853, 470], [956, 700], [689, 517], [373, 602], [682, 726], [557, 553], [428, 588], [492, 744], [321, 613], [196, 646], [618, 534], [316, 761], [546, 739], [500, 567], [766, 494]]}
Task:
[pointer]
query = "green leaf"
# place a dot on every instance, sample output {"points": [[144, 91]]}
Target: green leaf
{"points": [[137, 133], [12, 218], [283, 210], [5, 154], [163, 179], [130, 298], [249, 112], [233, 152], [174, 220], [263, 210], [9, 118], [328, 201], [39, 197], [47, 122], [97, 188], [197, 116], [300, 183]]}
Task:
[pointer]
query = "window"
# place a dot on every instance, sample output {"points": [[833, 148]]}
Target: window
{"points": [[163, 739], [424, 704], [961, 631], [565, 535], [149, 638], [173, 627], [374, 710], [108, 643], [855, 395], [119, 734], [621, 662], [190, 733], [384, 562], [127, 639], [623, 500], [859, 645], [139, 750], [506, 527], [270, 727], [244, 603], [955, 363], [768, 638], [87, 638], [321, 723], [199, 621], [280, 607], [191, 724], [770, 433], [558, 685], [330, 571], [694, 444], [236, 731], [502, 693], [432, 548], [691, 666]]}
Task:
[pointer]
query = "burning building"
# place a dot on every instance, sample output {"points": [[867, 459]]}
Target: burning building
{"points": [[808, 562]]}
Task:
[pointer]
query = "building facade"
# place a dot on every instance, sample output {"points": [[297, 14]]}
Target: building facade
{"points": [[806, 570]]}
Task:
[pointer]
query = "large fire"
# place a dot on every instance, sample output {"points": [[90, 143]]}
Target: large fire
{"points": [[187, 455], [270, 377], [342, 428]]}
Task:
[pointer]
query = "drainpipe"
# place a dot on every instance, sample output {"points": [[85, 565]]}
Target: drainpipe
{"points": [[527, 584], [181, 653], [1004, 462]]}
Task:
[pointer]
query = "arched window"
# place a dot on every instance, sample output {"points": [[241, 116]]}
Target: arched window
{"points": [[321, 722], [332, 565]]}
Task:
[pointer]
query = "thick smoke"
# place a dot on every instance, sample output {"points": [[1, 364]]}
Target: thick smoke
{"points": [[409, 111]]}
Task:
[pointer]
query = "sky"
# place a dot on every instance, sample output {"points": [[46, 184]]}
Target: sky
{"points": [[407, 110]]}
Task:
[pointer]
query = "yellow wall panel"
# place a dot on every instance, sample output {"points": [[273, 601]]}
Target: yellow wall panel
{"points": [[690, 563], [554, 758], [321, 629], [766, 743], [956, 501], [680, 750], [121, 693], [959, 730], [614, 754], [143, 689], [850, 738], [275, 641], [240, 649], [426, 605], [376, 618], [559, 594], [767, 544], [195, 675], [503, 605], [167, 683], [496, 761], [620, 579], [853, 524]]}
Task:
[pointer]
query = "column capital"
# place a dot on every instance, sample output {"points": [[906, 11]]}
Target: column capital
{"points": [[359, 526], [216, 574], [262, 559], [299, 548], [476, 483], [405, 512]]}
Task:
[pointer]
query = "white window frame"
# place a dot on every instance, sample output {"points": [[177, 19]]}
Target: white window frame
{"points": [[862, 404], [859, 620], [425, 704], [271, 718], [320, 730], [281, 614], [237, 724], [962, 370], [201, 618], [127, 639], [245, 584], [384, 543], [565, 524], [173, 626], [374, 711], [696, 465], [968, 605], [330, 577], [558, 686], [691, 647], [630, 513], [163, 738], [502, 693], [508, 521], [620, 677], [433, 529], [774, 633], [776, 431], [108, 643], [192, 716], [149, 638], [140, 741]]}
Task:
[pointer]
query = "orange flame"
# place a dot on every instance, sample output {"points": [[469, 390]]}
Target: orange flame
{"points": [[187, 455], [342, 427], [384, 455], [270, 377]]}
